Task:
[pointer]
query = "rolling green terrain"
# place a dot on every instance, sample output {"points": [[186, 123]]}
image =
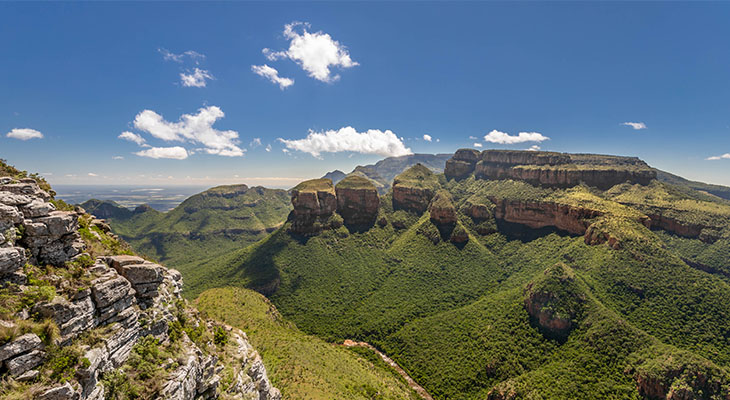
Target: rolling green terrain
{"points": [[647, 309], [300, 365], [214, 222]]}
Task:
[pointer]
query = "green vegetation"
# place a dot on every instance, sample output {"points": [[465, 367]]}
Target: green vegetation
{"points": [[417, 176], [9, 170], [715, 190], [355, 182], [384, 171], [454, 317], [314, 185], [214, 222], [300, 365]]}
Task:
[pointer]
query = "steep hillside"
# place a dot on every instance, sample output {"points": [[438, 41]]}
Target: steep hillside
{"points": [[717, 190], [301, 365], [82, 318], [384, 171], [219, 220], [514, 275]]}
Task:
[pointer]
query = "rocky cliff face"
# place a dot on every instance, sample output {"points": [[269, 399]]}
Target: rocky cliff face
{"points": [[314, 202], [536, 214], [548, 168], [79, 321], [357, 200], [414, 189], [442, 209], [462, 164]]}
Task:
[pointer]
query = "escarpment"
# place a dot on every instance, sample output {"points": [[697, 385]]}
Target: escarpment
{"points": [[79, 327], [549, 169]]}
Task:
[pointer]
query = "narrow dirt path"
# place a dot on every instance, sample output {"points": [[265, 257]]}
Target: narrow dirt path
{"points": [[415, 386]]}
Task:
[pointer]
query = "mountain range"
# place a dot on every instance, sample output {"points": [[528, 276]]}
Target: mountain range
{"points": [[499, 274]]}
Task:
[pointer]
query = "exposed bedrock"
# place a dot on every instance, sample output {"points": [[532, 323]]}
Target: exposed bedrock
{"points": [[550, 176], [535, 214], [314, 201], [357, 200], [414, 188], [461, 164], [549, 168], [554, 302], [442, 209]]}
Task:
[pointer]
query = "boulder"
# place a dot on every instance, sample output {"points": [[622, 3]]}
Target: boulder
{"points": [[109, 289], [64, 392], [357, 200], [37, 208], [20, 364], [20, 345], [11, 259], [117, 262], [142, 273]]}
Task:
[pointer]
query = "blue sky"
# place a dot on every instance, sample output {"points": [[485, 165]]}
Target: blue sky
{"points": [[369, 80]]}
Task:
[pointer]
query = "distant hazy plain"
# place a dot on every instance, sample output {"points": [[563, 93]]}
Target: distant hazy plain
{"points": [[161, 198]]}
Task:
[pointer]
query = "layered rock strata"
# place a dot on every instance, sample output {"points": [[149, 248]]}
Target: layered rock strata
{"points": [[414, 189], [549, 169], [357, 200], [314, 202], [125, 297]]}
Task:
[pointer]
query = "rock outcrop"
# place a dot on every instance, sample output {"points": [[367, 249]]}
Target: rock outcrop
{"points": [[314, 201], [678, 375], [442, 209], [536, 214], [414, 188], [554, 302], [28, 221], [357, 200], [122, 299], [462, 164], [549, 169]]}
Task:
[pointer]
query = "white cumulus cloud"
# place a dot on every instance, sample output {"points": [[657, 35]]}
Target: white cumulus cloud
{"points": [[24, 134], [373, 141], [118, 158], [256, 142], [91, 174], [725, 156], [496, 136], [193, 128], [477, 145], [177, 152], [534, 147], [132, 137], [272, 75], [268, 148], [195, 79], [427, 138], [635, 125], [315, 52]]}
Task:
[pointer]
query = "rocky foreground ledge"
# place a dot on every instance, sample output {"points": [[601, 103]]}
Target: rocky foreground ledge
{"points": [[77, 327]]}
